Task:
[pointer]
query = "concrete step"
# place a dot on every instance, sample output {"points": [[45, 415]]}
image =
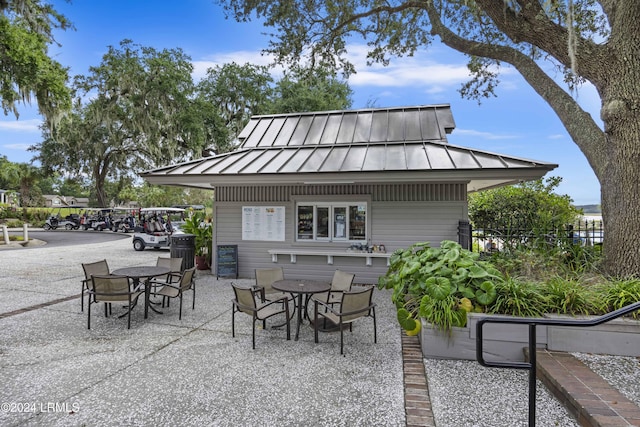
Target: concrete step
{"points": [[592, 400]]}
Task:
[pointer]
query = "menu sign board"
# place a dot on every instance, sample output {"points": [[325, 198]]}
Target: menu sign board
{"points": [[264, 223], [227, 261]]}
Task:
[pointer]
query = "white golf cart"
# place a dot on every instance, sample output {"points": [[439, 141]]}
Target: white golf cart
{"points": [[97, 219], [154, 227]]}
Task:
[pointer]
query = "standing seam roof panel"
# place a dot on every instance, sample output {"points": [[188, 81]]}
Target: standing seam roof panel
{"points": [[335, 159], [375, 158], [362, 132], [395, 157], [300, 134], [296, 161], [379, 126], [416, 157], [331, 129], [286, 132], [315, 130], [274, 161], [262, 161], [462, 159], [429, 126], [315, 159], [438, 157], [256, 136], [412, 126], [396, 128], [241, 163], [347, 127], [355, 158], [270, 135]]}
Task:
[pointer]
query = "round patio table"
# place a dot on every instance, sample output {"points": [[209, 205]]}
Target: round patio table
{"points": [[301, 287], [145, 272]]}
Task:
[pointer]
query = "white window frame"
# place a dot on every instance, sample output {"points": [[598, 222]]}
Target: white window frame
{"points": [[331, 204]]}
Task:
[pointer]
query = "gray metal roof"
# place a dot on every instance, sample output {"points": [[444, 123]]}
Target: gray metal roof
{"points": [[373, 145]]}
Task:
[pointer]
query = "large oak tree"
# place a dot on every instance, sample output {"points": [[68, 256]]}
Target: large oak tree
{"points": [[593, 41], [26, 71], [135, 111]]}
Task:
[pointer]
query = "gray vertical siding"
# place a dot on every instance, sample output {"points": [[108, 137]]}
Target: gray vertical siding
{"points": [[394, 223]]}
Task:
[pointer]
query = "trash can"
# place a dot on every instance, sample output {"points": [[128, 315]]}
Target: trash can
{"points": [[184, 246]]}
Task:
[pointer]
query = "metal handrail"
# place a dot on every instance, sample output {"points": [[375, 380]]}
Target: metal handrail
{"points": [[533, 322]]}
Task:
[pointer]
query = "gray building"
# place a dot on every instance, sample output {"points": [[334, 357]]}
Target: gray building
{"points": [[308, 191]]}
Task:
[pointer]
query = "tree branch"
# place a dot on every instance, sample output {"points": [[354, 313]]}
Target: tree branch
{"points": [[578, 123], [532, 25]]}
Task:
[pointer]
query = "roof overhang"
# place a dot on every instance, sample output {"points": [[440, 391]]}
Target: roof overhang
{"points": [[476, 179]]}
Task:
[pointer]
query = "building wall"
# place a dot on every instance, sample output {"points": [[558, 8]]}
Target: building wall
{"points": [[399, 215]]}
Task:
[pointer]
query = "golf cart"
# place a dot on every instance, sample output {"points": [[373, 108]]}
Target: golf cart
{"points": [[69, 222], [96, 219], [123, 219], [154, 227]]}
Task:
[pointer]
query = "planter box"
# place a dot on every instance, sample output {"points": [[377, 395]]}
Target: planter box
{"points": [[504, 342], [620, 337]]}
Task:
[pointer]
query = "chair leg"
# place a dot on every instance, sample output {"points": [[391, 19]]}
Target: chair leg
{"points": [[82, 298], [89, 313], [180, 315], [375, 333], [193, 304], [286, 311], [341, 337], [315, 321], [129, 313], [253, 332], [233, 321]]}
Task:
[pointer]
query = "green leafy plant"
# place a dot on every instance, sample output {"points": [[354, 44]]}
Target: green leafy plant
{"points": [[619, 293], [565, 296], [519, 298], [439, 284], [202, 229]]}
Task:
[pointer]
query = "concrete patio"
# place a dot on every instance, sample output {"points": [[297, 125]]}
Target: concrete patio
{"points": [[164, 371]]}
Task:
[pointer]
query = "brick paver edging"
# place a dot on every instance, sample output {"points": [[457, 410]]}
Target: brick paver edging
{"points": [[584, 393], [417, 402]]}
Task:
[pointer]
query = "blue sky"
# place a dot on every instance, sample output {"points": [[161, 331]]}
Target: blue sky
{"points": [[517, 122]]}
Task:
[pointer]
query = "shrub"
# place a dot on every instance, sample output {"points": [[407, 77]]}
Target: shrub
{"points": [[519, 298], [619, 293], [565, 296], [439, 284]]}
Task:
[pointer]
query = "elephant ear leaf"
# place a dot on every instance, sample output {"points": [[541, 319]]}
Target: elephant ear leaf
{"points": [[439, 287], [409, 269], [487, 293], [406, 321], [452, 254], [476, 272], [466, 291]]}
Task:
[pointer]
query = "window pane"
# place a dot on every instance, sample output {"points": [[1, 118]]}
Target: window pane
{"points": [[305, 222], [357, 222], [340, 223], [322, 224]]}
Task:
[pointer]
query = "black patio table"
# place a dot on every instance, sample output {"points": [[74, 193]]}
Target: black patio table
{"points": [[145, 272], [301, 287]]}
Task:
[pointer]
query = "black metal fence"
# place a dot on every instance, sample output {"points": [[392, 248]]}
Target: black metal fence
{"points": [[493, 237]]}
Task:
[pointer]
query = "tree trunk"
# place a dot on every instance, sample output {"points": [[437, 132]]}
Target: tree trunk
{"points": [[620, 189]]}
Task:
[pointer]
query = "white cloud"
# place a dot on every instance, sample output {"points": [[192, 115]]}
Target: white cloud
{"points": [[240, 57], [484, 135], [556, 136], [21, 147], [31, 125]]}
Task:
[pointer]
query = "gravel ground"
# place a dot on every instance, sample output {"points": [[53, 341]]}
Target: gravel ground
{"points": [[623, 373], [465, 394]]}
